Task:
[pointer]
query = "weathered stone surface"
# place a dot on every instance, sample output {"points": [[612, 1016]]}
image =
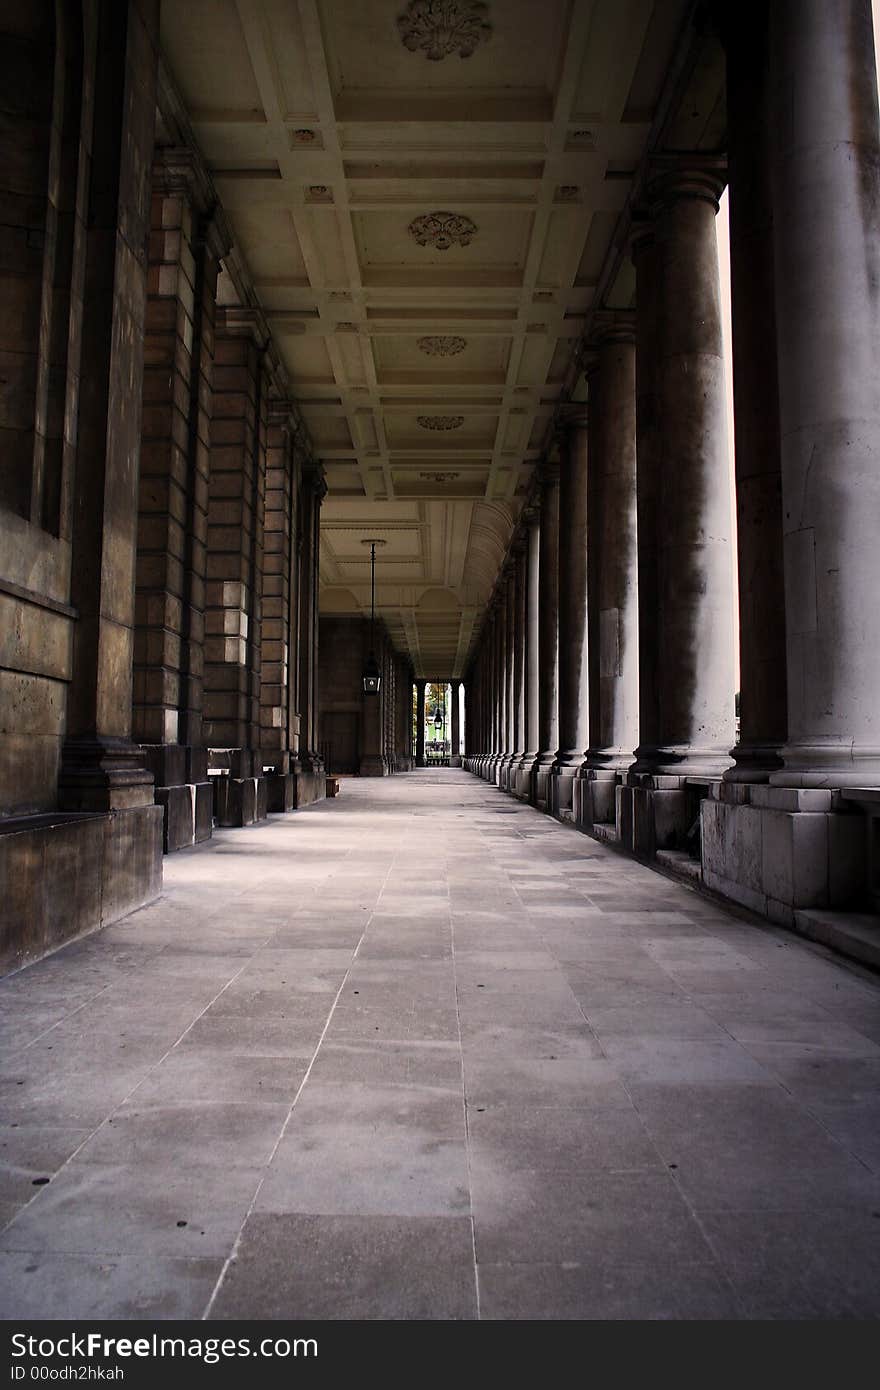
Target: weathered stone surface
{"points": [[67, 874]]}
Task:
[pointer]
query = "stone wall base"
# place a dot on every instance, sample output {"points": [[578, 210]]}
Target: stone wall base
{"points": [[280, 791], [64, 875], [311, 785], [777, 850], [373, 765], [188, 814], [240, 800]]}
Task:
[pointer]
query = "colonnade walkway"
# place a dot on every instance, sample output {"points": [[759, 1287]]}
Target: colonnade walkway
{"points": [[422, 1052]]}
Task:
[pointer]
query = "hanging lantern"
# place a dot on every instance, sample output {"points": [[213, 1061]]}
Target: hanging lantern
{"points": [[372, 676]]}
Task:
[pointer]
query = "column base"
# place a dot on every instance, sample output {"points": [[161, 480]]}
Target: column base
{"points": [[66, 874], [540, 775], [560, 785], [240, 801], [188, 814], [778, 850], [280, 792], [372, 765], [594, 799], [522, 775], [310, 778], [103, 774], [828, 765], [682, 760], [754, 762]]}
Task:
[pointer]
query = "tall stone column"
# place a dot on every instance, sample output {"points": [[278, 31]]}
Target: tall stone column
{"points": [[530, 650], [519, 656], [574, 727], [494, 693], [101, 768], [548, 633], [510, 635], [826, 237], [278, 710], [762, 645], [455, 724], [313, 491], [420, 723], [187, 239], [613, 543], [695, 670], [234, 588], [503, 677], [648, 454]]}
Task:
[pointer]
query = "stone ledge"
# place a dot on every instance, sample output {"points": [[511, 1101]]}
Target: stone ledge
{"points": [[680, 864], [853, 934]]}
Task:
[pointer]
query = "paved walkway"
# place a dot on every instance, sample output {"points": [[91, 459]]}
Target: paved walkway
{"points": [[422, 1052]]}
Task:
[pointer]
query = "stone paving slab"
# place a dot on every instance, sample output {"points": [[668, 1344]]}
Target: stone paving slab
{"points": [[416, 1052]]}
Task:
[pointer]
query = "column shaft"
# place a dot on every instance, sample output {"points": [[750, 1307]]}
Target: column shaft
{"points": [[455, 722], [548, 633], [763, 703], [826, 234], [101, 769], [613, 538], [574, 728], [420, 723], [695, 675]]}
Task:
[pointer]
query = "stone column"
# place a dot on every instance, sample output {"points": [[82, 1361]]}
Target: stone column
{"points": [[313, 491], [503, 677], [763, 702], [455, 723], [613, 542], [493, 692], [574, 727], [279, 719], [548, 633], [826, 236], [510, 636], [420, 723], [648, 450], [519, 657], [187, 239], [695, 672], [101, 768], [530, 650], [234, 589]]}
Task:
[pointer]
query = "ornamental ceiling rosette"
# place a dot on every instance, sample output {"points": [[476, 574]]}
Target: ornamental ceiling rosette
{"points": [[442, 345], [440, 422], [439, 28], [442, 230]]}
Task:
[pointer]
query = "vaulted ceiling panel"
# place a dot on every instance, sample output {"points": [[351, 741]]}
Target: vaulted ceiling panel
{"points": [[424, 196]]}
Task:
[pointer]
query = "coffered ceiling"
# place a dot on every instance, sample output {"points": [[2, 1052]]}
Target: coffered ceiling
{"points": [[424, 193]]}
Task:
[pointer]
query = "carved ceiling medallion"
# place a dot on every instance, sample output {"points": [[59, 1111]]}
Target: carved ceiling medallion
{"points": [[442, 229], [441, 27], [440, 422], [442, 345]]}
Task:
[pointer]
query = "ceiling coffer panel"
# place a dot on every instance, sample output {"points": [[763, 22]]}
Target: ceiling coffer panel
{"points": [[424, 197]]}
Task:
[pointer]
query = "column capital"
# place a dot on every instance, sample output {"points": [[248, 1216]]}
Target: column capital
{"points": [[640, 234], [613, 326], [315, 479], [686, 176]]}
